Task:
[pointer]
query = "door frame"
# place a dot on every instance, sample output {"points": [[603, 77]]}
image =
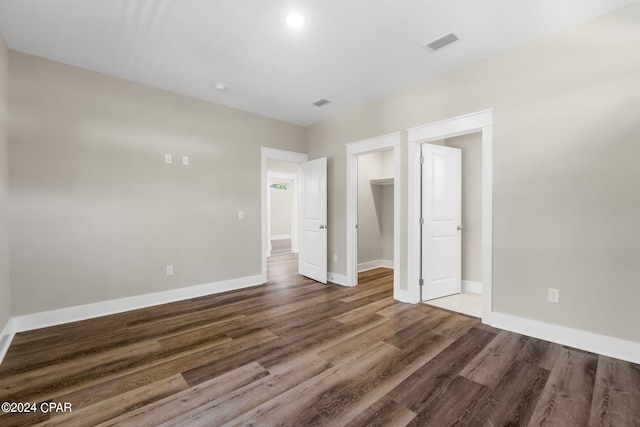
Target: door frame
{"points": [[267, 153], [481, 121], [354, 149]]}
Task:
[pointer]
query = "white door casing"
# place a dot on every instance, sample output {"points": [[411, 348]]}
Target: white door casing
{"points": [[441, 211], [312, 259]]}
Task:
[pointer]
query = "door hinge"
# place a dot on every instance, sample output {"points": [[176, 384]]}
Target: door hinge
{"points": [[421, 160], [421, 282], [421, 221]]}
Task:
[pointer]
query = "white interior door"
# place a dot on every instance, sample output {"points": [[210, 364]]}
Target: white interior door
{"points": [[312, 258], [442, 229]]}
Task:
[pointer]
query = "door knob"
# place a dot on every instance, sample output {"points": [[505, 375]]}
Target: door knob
{"points": [[459, 227]]}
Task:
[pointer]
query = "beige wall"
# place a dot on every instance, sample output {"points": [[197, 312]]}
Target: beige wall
{"points": [[566, 199], [96, 214], [5, 294]]}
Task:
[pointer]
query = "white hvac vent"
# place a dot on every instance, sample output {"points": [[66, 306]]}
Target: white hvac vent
{"points": [[441, 42], [320, 102]]}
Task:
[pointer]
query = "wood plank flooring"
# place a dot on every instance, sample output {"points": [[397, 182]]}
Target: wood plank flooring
{"points": [[296, 352]]}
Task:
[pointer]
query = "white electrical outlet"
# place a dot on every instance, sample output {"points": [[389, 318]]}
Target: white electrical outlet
{"points": [[335, 257], [554, 295], [168, 159], [240, 214], [169, 270], [185, 160]]}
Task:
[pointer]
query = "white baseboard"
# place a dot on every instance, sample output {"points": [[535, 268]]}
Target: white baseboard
{"points": [[473, 287], [6, 336], [82, 312], [281, 237], [338, 279], [370, 265], [595, 343], [385, 263]]}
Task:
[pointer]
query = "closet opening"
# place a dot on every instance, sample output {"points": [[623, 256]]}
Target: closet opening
{"points": [[373, 205], [375, 211]]}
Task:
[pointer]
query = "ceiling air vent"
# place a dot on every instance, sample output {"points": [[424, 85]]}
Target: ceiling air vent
{"points": [[320, 102], [441, 42]]}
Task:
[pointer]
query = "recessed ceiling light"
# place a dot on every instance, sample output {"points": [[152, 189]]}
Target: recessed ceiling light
{"points": [[221, 86], [294, 19]]}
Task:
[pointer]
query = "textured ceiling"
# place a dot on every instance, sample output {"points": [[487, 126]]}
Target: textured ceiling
{"points": [[350, 52]]}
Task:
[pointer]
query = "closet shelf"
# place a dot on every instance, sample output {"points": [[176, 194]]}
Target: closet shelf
{"points": [[382, 181]]}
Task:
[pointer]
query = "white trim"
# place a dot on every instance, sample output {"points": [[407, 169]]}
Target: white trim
{"points": [[370, 265], [449, 128], [487, 221], [6, 336], [481, 121], [265, 207], [473, 287], [281, 237], [284, 176], [413, 215], [267, 153], [338, 279], [82, 312], [373, 145], [352, 218], [595, 343], [398, 215], [282, 155], [354, 149]]}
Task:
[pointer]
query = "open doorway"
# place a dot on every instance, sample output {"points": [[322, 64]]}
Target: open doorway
{"points": [[354, 151], [273, 155], [460, 289], [312, 208], [282, 205], [481, 123], [375, 210]]}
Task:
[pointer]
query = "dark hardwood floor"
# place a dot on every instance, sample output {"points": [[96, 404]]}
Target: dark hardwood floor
{"points": [[296, 352]]}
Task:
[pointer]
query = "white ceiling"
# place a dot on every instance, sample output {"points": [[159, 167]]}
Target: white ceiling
{"points": [[351, 51]]}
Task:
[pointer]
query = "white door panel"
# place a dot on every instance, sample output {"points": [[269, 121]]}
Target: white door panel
{"points": [[441, 210], [312, 259]]}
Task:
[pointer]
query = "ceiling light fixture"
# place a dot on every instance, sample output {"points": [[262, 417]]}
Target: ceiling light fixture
{"points": [[294, 19], [221, 86]]}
